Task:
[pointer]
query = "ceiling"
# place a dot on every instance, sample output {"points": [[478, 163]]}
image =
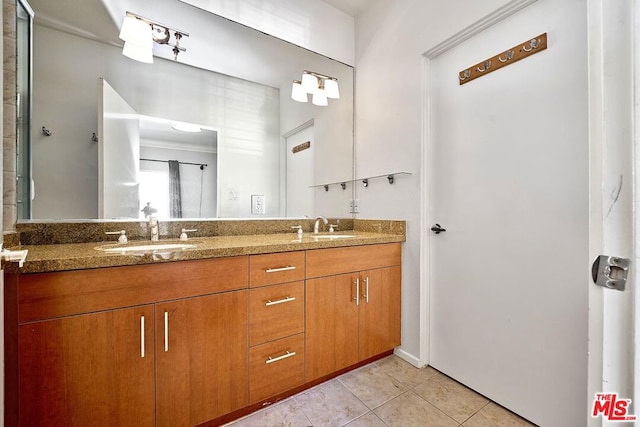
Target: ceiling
{"points": [[350, 7], [160, 133]]}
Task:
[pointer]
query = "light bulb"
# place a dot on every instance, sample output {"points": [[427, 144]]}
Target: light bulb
{"points": [[187, 127], [331, 88], [137, 32], [138, 53], [297, 92], [309, 82], [320, 98]]}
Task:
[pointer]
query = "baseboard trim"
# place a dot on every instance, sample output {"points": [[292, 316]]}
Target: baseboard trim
{"points": [[408, 357]]}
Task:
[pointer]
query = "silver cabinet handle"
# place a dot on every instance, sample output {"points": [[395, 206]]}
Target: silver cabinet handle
{"points": [[357, 298], [366, 285], [280, 301], [275, 270], [142, 336], [166, 331], [286, 355]]}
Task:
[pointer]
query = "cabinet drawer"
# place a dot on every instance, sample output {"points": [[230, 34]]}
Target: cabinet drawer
{"points": [[275, 312], [48, 295], [270, 269], [276, 367], [327, 262]]}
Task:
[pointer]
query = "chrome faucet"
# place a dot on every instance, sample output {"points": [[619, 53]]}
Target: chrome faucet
{"points": [[317, 224], [153, 228]]}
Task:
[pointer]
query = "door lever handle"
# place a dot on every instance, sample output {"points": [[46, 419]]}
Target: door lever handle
{"points": [[437, 228]]}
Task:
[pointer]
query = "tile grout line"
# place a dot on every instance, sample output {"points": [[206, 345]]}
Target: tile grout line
{"points": [[386, 401], [438, 409], [480, 409]]}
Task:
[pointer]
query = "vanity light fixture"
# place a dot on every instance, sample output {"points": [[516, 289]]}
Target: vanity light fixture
{"points": [[140, 33], [320, 86]]}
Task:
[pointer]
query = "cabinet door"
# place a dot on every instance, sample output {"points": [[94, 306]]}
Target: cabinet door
{"points": [[202, 358], [379, 311], [93, 369], [332, 325]]}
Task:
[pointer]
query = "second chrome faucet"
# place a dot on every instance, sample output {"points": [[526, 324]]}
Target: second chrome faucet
{"points": [[317, 223]]}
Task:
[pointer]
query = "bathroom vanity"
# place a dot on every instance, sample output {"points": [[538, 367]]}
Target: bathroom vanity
{"points": [[201, 338]]}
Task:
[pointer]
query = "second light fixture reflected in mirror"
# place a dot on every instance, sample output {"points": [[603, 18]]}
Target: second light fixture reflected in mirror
{"points": [[319, 86]]}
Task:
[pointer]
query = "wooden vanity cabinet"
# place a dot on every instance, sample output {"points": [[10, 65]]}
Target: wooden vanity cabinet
{"points": [[87, 370], [192, 342], [201, 358], [133, 366], [276, 313], [351, 315]]}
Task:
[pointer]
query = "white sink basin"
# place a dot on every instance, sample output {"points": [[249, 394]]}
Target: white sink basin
{"points": [[145, 247], [332, 236]]}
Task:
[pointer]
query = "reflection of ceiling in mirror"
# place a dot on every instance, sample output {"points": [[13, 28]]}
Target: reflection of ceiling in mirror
{"points": [[159, 133], [87, 18], [101, 19]]}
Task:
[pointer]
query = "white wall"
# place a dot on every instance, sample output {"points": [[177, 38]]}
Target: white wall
{"points": [[391, 38]]}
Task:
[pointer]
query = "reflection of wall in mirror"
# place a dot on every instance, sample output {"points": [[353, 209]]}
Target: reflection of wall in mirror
{"points": [[66, 70]]}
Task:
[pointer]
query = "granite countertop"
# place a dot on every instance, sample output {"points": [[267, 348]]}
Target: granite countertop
{"points": [[77, 256]]}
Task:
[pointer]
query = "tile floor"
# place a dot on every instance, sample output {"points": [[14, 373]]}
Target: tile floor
{"points": [[389, 392]]}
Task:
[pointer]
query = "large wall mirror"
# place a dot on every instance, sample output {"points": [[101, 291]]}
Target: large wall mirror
{"points": [[106, 135]]}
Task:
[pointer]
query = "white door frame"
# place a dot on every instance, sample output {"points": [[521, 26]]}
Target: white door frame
{"points": [[599, 86], [613, 71], [636, 198]]}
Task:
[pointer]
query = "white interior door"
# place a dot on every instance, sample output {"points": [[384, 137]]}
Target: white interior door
{"points": [[300, 173], [118, 155], [510, 184]]}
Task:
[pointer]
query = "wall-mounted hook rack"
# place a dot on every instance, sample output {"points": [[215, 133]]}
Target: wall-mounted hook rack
{"points": [[365, 181], [504, 58]]}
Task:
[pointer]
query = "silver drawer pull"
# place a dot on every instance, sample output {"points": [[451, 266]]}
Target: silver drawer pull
{"points": [[284, 356], [366, 283], [275, 270], [166, 331], [142, 336], [280, 301]]}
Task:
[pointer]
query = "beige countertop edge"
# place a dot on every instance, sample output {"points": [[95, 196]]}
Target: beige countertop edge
{"points": [[79, 256]]}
